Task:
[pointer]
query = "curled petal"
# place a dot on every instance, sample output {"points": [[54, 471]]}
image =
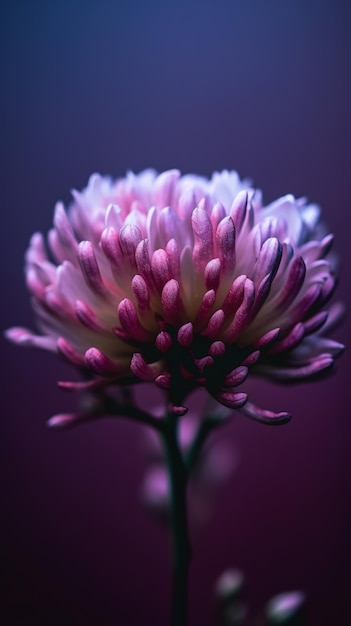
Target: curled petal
{"points": [[262, 293], [303, 307], [67, 420], [129, 238], [235, 295], [163, 341], [336, 314], [242, 315], [173, 258], [23, 337], [165, 187], [313, 346], [171, 302], [295, 372], [34, 284], [160, 268], [170, 226], [90, 267], [264, 416], [231, 400], [202, 364], [113, 216], [236, 376], [218, 213], [225, 238], [289, 342], [214, 325], [252, 358], [36, 251], [185, 335], [213, 274], [110, 244], [266, 339], [88, 318], [327, 290], [142, 259], [203, 238], [70, 353], [239, 209], [65, 233], [217, 349], [85, 385], [141, 292], [205, 308], [316, 322], [186, 204], [163, 381], [129, 321], [146, 371], [178, 411], [268, 259], [100, 363], [293, 284]]}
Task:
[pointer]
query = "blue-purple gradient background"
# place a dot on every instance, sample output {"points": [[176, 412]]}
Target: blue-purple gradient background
{"points": [[262, 87]]}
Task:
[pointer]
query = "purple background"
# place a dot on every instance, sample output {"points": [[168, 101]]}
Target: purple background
{"points": [[262, 87]]}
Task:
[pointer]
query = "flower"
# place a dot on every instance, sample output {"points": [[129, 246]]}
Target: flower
{"points": [[184, 281]]}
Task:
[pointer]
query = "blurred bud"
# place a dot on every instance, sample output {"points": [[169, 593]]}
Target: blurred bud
{"points": [[230, 585], [287, 609], [155, 492], [91, 403], [229, 590]]}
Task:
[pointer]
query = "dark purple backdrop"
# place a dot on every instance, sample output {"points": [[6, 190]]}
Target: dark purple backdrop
{"points": [[262, 87]]}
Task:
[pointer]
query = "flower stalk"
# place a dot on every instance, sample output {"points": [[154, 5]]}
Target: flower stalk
{"points": [[181, 549]]}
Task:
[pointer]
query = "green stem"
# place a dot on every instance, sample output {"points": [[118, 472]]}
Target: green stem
{"points": [[181, 551], [129, 411], [204, 430]]}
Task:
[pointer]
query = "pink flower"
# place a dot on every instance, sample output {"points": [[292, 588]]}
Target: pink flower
{"points": [[184, 282]]}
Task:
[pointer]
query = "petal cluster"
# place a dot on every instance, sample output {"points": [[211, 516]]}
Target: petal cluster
{"points": [[184, 281]]}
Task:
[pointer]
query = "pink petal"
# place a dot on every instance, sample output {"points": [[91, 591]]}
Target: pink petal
{"points": [[225, 239], [203, 238], [90, 267], [213, 274], [242, 315], [265, 416], [236, 376], [239, 209], [23, 337], [217, 349], [160, 268], [100, 363], [130, 323], [205, 308], [70, 353], [146, 371], [171, 303], [294, 337], [163, 341], [231, 400], [66, 420], [185, 335]]}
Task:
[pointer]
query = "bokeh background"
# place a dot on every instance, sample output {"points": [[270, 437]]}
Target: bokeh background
{"points": [[258, 86]]}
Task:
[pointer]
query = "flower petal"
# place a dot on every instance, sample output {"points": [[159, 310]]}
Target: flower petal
{"points": [[265, 416]]}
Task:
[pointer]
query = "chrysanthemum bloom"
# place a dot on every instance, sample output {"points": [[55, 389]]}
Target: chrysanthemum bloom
{"points": [[184, 282]]}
